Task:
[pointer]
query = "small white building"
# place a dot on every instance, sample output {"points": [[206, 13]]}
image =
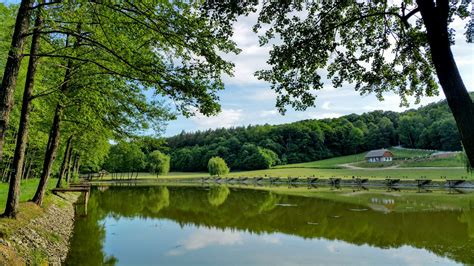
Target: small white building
{"points": [[381, 155]]}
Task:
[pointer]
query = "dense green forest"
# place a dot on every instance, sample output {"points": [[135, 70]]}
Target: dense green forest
{"points": [[263, 146]]}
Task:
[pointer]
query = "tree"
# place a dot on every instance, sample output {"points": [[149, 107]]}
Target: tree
{"points": [[352, 41], [12, 67], [254, 157], [22, 138], [217, 166], [410, 129], [158, 163]]}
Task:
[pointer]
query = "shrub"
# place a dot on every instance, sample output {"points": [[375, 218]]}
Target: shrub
{"points": [[158, 163], [217, 166]]}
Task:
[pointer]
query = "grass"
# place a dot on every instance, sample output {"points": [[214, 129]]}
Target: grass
{"points": [[365, 164], [27, 212], [27, 188], [408, 153], [332, 168], [439, 162], [435, 174], [417, 158], [332, 163]]}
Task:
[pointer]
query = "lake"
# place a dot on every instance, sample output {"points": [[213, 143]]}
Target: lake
{"points": [[219, 225]]}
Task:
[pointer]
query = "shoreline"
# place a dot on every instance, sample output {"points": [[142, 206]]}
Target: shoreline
{"points": [[302, 181], [39, 236]]}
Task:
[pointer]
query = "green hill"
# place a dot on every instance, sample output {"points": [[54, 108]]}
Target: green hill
{"points": [[403, 158]]}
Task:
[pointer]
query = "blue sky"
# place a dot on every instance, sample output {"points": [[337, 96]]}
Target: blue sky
{"points": [[247, 100]]}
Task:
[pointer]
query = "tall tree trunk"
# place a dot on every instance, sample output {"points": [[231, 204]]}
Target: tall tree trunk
{"points": [[77, 163], [435, 18], [11, 208], [6, 171], [12, 67], [53, 142], [50, 156], [26, 174], [25, 163], [64, 166], [68, 167], [74, 164]]}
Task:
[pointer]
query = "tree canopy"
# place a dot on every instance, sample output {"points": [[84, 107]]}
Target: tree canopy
{"points": [[217, 166], [158, 163]]}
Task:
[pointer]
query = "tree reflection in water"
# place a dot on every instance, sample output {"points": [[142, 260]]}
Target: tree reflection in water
{"points": [[447, 232]]}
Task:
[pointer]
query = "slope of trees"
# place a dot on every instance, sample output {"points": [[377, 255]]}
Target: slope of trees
{"points": [[260, 147]]}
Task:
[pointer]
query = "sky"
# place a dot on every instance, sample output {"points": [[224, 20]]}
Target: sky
{"points": [[247, 100]]}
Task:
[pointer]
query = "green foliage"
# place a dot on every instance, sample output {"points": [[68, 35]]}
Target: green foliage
{"points": [[126, 60], [125, 157], [158, 163], [175, 52], [254, 147], [348, 40], [253, 157], [217, 166]]}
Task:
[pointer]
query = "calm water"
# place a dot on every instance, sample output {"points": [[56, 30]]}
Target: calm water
{"points": [[230, 226]]}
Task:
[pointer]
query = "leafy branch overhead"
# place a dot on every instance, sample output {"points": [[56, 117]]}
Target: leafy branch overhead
{"points": [[377, 46], [167, 47]]}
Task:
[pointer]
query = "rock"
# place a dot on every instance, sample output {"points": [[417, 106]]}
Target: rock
{"points": [[48, 234]]}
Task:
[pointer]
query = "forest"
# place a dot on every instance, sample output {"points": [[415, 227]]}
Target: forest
{"points": [[263, 146]]}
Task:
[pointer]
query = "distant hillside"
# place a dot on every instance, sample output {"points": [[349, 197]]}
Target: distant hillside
{"points": [[263, 146]]}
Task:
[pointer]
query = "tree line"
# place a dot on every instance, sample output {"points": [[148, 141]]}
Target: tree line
{"points": [[263, 146]]}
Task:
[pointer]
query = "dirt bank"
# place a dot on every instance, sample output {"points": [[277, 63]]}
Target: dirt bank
{"points": [[38, 236]]}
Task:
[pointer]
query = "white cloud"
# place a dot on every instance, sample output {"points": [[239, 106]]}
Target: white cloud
{"points": [[325, 105], [268, 113], [323, 115], [262, 95], [226, 118], [271, 239], [203, 238]]}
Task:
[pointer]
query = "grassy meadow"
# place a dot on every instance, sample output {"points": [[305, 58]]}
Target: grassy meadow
{"points": [[435, 174], [404, 166], [27, 187], [402, 158], [332, 163]]}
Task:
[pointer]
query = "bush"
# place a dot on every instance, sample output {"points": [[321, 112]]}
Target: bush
{"points": [[258, 158], [217, 166], [158, 163]]}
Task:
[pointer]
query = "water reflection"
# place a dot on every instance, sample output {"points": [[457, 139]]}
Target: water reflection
{"points": [[221, 225]]}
